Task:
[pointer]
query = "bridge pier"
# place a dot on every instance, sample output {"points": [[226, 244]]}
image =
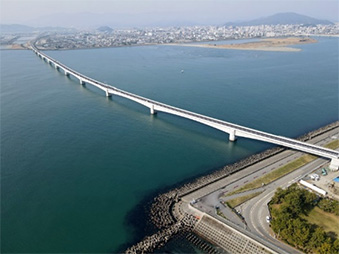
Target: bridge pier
{"points": [[152, 111], [232, 136], [232, 129], [81, 82], [107, 93], [334, 165]]}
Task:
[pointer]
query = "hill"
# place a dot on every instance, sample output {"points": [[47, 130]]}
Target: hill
{"points": [[105, 29], [15, 28], [289, 18]]}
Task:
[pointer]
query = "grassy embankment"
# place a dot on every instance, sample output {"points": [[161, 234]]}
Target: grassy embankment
{"points": [[238, 201], [282, 171], [333, 145]]}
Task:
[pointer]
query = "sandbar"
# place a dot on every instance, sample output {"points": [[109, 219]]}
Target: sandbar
{"points": [[271, 44]]}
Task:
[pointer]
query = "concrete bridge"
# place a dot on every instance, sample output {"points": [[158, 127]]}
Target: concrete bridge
{"points": [[233, 130]]}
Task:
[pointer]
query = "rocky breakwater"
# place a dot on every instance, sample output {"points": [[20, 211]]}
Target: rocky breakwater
{"points": [[164, 215], [159, 239], [161, 208]]}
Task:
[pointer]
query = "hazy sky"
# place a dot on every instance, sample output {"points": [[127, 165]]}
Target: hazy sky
{"points": [[31, 12]]}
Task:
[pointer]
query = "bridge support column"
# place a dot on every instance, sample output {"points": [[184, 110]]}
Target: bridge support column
{"points": [[56, 67], [66, 74], [232, 136], [107, 93], [334, 165], [81, 82], [153, 112]]}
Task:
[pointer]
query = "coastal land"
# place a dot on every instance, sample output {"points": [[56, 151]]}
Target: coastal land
{"points": [[195, 207], [271, 44]]}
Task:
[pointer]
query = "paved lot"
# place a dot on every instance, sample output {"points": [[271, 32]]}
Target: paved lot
{"points": [[325, 182]]}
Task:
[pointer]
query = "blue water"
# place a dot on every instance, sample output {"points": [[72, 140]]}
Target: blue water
{"points": [[76, 166]]}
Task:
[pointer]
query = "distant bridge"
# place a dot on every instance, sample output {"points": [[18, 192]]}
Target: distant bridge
{"points": [[233, 130]]}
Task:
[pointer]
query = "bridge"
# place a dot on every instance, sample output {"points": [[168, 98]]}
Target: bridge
{"points": [[233, 130]]}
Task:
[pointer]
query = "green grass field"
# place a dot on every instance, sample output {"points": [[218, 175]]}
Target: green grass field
{"points": [[328, 221], [333, 145]]}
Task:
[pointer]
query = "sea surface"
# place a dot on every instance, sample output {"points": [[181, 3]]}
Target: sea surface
{"points": [[78, 169]]}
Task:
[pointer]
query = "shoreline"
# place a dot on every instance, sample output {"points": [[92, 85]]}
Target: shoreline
{"points": [[186, 44], [161, 211], [271, 49], [280, 44]]}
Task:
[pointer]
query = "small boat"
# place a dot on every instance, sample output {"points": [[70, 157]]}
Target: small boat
{"points": [[182, 71]]}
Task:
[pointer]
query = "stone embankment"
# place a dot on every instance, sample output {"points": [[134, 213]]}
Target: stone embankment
{"points": [[159, 239], [167, 219]]}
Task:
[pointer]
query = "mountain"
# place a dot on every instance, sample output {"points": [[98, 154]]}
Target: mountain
{"points": [[15, 28], [289, 18], [105, 29]]}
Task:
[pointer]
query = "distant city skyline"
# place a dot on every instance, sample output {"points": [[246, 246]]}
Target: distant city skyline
{"points": [[129, 13]]}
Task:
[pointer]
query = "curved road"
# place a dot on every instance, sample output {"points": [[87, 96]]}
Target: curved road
{"points": [[255, 210]]}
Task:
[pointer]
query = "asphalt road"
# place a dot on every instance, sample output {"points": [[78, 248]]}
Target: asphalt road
{"points": [[255, 210]]}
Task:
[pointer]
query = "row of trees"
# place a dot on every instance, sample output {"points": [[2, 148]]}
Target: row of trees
{"points": [[329, 205], [287, 207]]}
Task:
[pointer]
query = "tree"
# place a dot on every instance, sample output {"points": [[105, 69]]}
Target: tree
{"points": [[287, 206], [336, 246], [286, 233], [281, 218], [278, 196], [301, 232], [326, 247], [328, 205], [310, 197], [295, 202], [317, 239]]}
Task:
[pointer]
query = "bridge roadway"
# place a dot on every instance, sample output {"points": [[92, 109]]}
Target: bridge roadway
{"points": [[233, 130]]}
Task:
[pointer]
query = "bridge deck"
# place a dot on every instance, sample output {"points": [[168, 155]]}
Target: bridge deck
{"points": [[232, 129]]}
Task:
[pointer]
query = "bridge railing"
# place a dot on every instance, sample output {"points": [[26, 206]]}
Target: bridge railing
{"points": [[324, 151]]}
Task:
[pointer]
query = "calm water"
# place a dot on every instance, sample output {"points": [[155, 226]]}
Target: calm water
{"points": [[76, 166]]}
